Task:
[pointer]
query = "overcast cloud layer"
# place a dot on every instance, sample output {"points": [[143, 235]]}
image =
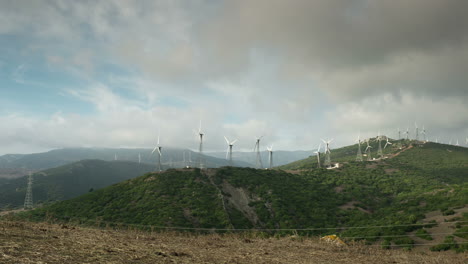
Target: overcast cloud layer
{"points": [[114, 73]]}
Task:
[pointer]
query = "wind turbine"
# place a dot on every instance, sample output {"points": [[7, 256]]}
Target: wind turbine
{"points": [[139, 157], [399, 134], [257, 149], [457, 143], [407, 133], [466, 141], [318, 154], [158, 148], [417, 131], [359, 153], [229, 150], [424, 133], [379, 151], [368, 151], [200, 148], [270, 156], [388, 143], [327, 162]]}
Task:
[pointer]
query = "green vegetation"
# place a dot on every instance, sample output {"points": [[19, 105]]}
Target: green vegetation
{"points": [[387, 199], [422, 233], [69, 181]]}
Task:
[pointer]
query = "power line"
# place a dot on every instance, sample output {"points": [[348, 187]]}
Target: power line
{"points": [[265, 229]]}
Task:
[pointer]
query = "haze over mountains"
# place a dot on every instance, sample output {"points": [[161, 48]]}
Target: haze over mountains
{"points": [[171, 157]]}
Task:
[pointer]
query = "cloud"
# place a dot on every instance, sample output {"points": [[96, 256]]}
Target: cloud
{"points": [[298, 69]]}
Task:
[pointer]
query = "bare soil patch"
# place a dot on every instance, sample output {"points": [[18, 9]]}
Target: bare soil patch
{"points": [[47, 243]]}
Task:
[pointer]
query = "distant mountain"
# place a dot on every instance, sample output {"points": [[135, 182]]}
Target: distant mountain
{"points": [[280, 157], [172, 157], [392, 200], [69, 181]]}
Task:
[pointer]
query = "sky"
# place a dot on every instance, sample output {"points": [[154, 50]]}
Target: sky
{"points": [[118, 73]]}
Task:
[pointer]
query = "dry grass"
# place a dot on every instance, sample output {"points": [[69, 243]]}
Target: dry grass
{"points": [[48, 243]]}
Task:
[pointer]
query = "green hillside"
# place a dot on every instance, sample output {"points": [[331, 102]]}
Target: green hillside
{"points": [[348, 153], [393, 196], [69, 181]]}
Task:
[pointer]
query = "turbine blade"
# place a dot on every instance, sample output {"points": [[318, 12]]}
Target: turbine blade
{"points": [[159, 151], [154, 149], [232, 143], [227, 141]]}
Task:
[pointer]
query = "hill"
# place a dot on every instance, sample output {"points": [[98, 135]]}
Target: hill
{"points": [[392, 200], [172, 157], [69, 181]]}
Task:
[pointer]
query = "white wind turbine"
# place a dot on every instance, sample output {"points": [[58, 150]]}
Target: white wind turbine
{"points": [[158, 148], [368, 150], [270, 156], [424, 133], [229, 150], [327, 162], [457, 143], [200, 148], [359, 152], [257, 150], [417, 131], [379, 150], [318, 154], [388, 143]]}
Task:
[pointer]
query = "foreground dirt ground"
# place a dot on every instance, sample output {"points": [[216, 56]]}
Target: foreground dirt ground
{"points": [[48, 243]]}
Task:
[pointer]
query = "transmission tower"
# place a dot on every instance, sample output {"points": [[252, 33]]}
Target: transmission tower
{"points": [[28, 201], [258, 163], [379, 151], [359, 152]]}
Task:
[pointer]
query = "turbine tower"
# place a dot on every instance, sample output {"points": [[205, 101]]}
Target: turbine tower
{"points": [[359, 153], [158, 148], [258, 163], [270, 156], [466, 141], [379, 151], [327, 162], [407, 133], [423, 132], [139, 157], [417, 131], [229, 150], [457, 143], [399, 134], [28, 201], [368, 151], [200, 148], [318, 155]]}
